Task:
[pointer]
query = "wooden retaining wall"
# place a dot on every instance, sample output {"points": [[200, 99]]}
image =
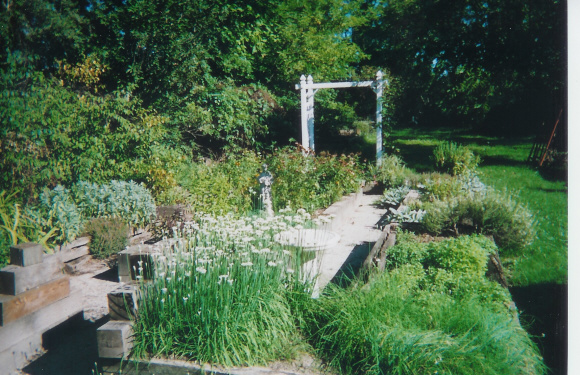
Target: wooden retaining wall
{"points": [[35, 296]]}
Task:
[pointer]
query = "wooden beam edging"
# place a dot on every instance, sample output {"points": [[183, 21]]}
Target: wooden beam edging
{"points": [[378, 254]]}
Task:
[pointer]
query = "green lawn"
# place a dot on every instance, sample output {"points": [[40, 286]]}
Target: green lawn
{"points": [[504, 166]]}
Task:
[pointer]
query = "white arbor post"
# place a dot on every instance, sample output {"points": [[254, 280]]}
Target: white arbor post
{"points": [[378, 89], [304, 112], [310, 110], [307, 90]]}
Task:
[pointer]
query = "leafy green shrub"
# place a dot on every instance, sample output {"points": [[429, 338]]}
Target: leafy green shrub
{"points": [[454, 159], [312, 182], [108, 237], [128, 202], [59, 135], [465, 255]]}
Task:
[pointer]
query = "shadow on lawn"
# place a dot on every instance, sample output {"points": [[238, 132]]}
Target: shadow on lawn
{"points": [[544, 313]]}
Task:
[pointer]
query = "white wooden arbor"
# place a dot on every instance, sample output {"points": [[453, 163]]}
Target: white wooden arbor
{"points": [[307, 90]]}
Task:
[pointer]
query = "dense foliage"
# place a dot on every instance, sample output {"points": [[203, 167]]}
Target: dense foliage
{"points": [[108, 237], [432, 311], [97, 91]]}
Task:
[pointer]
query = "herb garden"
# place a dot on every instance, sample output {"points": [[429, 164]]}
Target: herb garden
{"points": [[112, 113]]}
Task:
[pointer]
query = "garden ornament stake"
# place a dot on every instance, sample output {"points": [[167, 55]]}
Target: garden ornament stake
{"points": [[265, 179], [307, 90]]}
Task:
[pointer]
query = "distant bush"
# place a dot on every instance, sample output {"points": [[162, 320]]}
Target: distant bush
{"points": [[392, 171], [108, 237], [128, 202], [454, 159]]}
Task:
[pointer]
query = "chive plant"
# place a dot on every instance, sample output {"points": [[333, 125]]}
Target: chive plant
{"points": [[223, 292]]}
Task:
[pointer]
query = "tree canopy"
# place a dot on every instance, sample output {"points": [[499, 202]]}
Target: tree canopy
{"points": [[82, 76]]}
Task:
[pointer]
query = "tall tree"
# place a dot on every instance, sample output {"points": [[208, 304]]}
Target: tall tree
{"points": [[461, 61]]}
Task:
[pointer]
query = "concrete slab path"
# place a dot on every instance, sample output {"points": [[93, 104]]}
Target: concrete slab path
{"points": [[356, 222]]}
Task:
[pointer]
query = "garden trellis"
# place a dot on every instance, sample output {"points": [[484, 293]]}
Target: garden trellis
{"points": [[307, 90]]}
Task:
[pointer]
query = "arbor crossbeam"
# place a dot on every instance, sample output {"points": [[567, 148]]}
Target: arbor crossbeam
{"points": [[307, 91]]}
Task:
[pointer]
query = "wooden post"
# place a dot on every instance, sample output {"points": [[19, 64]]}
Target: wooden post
{"points": [[310, 108], [378, 89], [307, 90], [304, 112]]}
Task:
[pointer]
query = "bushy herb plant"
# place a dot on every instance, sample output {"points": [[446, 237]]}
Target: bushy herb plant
{"points": [[223, 186], [392, 172], [441, 186], [108, 237], [312, 182], [454, 159], [493, 213]]}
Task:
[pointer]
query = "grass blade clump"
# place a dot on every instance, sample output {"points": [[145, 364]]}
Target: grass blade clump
{"points": [[409, 321]]}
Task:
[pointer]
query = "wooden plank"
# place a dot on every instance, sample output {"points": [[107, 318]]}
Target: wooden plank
{"points": [[42, 320], [115, 339], [20, 353], [123, 302], [26, 254], [15, 307], [389, 242], [369, 261], [71, 254], [75, 266], [333, 85], [81, 241], [128, 262], [15, 280]]}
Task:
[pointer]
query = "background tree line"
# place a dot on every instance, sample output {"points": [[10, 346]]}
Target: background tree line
{"points": [[127, 89]]}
